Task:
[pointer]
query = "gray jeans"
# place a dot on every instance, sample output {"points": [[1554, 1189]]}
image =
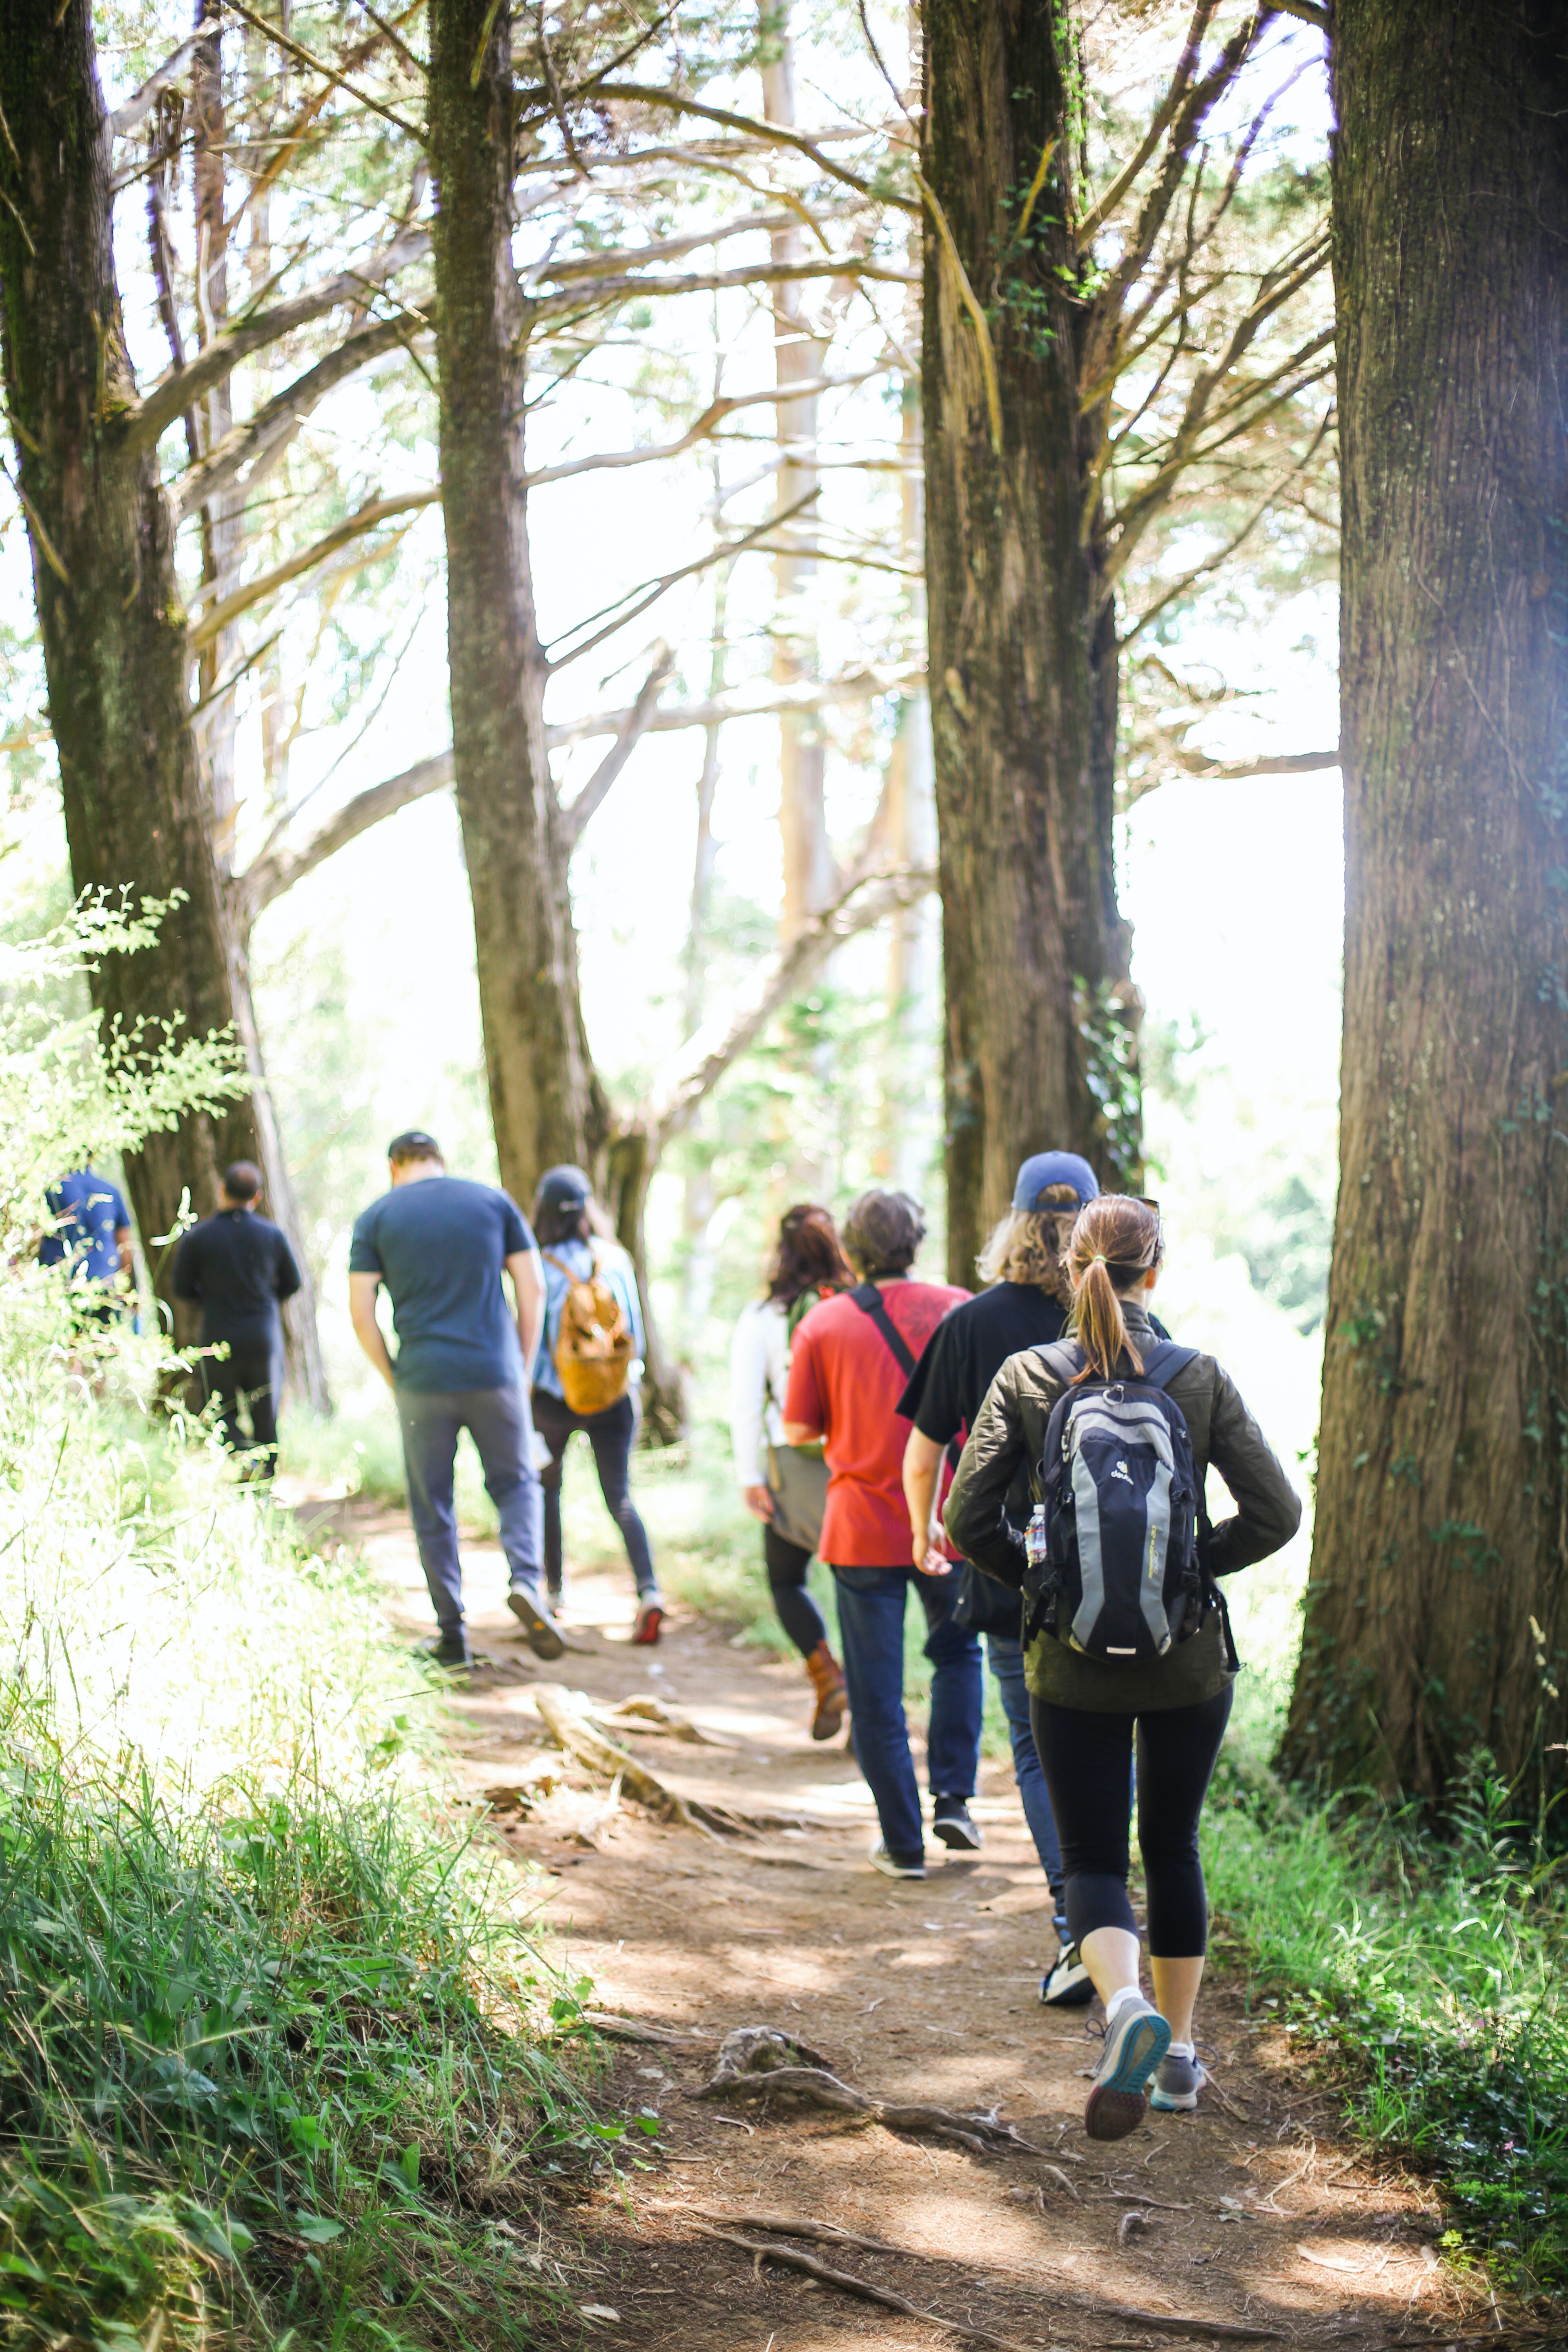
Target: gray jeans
{"points": [[497, 1421]]}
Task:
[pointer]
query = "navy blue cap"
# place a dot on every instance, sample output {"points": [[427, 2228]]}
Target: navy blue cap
{"points": [[1047, 1168], [563, 1188]]}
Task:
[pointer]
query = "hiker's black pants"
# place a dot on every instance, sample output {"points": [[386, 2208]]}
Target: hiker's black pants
{"points": [[251, 1373], [612, 1434], [1086, 1758], [788, 1565]]}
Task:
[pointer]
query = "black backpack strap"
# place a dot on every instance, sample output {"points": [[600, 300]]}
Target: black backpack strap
{"points": [[1161, 1364], [868, 1299], [1064, 1358]]}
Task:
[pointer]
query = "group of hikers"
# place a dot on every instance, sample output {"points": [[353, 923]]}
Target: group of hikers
{"points": [[1031, 1459]]}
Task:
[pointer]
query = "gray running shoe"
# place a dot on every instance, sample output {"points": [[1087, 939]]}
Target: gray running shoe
{"points": [[1118, 2095], [544, 1635], [1177, 2082]]}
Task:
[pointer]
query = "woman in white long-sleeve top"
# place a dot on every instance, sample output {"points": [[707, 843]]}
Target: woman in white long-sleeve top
{"points": [[784, 1486]]}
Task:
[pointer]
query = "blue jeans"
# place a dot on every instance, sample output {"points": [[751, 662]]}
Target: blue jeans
{"points": [[498, 1422], [871, 1624], [1007, 1658]]}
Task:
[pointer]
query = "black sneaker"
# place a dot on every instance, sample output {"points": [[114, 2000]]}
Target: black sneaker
{"points": [[451, 1650], [544, 1635], [951, 1823], [1067, 1983]]}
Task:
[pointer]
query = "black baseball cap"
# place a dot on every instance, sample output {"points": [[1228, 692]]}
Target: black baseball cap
{"points": [[563, 1188], [414, 1144]]}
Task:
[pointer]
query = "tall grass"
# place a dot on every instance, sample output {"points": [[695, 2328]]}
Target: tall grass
{"points": [[273, 2060], [1434, 1972]]}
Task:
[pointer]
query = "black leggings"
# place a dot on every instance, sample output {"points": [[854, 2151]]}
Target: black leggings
{"points": [[799, 1615], [1086, 1758], [612, 1434]]}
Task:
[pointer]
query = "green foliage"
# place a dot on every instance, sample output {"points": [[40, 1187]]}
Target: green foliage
{"points": [[1430, 1971], [275, 2060]]}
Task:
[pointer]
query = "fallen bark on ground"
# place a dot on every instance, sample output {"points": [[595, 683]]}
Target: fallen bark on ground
{"points": [[786, 2225], [818, 2088]]}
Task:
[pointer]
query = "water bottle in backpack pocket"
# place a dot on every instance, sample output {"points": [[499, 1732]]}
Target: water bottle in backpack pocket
{"points": [[1112, 1547]]}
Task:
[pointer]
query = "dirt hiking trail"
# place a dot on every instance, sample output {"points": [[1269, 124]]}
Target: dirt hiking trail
{"points": [[1254, 2220]]}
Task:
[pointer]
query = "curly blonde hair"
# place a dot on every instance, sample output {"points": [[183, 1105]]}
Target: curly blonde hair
{"points": [[1031, 1245]]}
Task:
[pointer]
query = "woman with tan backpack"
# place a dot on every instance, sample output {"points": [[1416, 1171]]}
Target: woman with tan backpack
{"points": [[587, 1373]]}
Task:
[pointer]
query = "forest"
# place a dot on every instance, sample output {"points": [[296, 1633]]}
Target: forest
{"points": [[688, 609]]}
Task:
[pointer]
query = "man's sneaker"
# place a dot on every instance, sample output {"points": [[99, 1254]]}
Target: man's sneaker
{"points": [[451, 1650], [1177, 2082], [650, 1620], [1118, 2095], [893, 1865], [544, 1636], [1067, 1983], [951, 1823]]}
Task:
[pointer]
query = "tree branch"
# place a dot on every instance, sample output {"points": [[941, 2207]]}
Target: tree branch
{"points": [[632, 730], [650, 592], [774, 397], [319, 65], [768, 134], [261, 435], [1309, 12], [145, 421], [768, 701], [602, 292], [140, 102], [280, 870], [256, 592], [1099, 214], [691, 1076], [667, 248]]}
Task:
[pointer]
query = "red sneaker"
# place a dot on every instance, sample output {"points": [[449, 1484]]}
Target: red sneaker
{"points": [[650, 1619]]}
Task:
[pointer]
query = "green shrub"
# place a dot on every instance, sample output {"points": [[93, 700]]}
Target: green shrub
{"points": [[1434, 1971]]}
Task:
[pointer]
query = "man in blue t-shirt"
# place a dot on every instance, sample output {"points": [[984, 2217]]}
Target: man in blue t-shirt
{"points": [[441, 1244], [91, 1233]]}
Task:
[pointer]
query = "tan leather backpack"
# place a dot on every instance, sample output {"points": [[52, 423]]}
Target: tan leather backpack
{"points": [[594, 1344]]}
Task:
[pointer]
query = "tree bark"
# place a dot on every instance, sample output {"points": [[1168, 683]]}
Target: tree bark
{"points": [[1437, 1608], [546, 1102], [108, 598], [1040, 1045]]}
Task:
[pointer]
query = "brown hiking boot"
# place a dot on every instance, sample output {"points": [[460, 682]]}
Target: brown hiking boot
{"points": [[832, 1699]]}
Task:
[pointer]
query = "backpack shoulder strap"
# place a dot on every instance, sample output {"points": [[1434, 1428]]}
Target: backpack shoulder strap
{"points": [[1161, 1364], [868, 1299], [560, 1267], [1062, 1358]]}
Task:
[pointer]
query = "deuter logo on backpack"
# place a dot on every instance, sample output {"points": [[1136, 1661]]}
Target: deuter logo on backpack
{"points": [[1113, 1568]]}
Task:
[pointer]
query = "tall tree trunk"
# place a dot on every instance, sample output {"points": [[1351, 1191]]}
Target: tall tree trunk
{"points": [[1038, 1050], [108, 598], [798, 356], [544, 1099], [216, 728], [1437, 1608], [911, 841]]}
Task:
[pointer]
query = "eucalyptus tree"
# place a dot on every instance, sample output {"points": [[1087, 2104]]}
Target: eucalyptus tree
{"points": [[1437, 1616], [1119, 340]]}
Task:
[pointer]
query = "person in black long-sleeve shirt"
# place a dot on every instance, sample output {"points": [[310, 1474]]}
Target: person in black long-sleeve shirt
{"points": [[239, 1268]]}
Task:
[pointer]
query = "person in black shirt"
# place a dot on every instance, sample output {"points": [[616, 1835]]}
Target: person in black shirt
{"points": [[1025, 1307], [239, 1268]]}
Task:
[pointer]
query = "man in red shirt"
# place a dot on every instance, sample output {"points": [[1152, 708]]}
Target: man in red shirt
{"points": [[851, 1359]]}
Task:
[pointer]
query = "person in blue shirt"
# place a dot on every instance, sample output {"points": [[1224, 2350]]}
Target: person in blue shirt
{"points": [[576, 1244], [441, 1245], [90, 1234]]}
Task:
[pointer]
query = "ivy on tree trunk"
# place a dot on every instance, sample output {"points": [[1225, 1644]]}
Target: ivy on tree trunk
{"points": [[1436, 1615]]}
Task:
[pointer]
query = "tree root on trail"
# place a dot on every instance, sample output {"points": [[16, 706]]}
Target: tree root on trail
{"points": [[564, 1715], [759, 2062], [632, 2028], [762, 2251], [797, 2225]]}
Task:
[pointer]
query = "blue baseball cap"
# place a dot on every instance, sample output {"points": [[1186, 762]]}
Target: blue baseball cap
{"points": [[1049, 1167]]}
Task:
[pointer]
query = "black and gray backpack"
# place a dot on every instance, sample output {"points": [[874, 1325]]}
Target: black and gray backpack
{"points": [[1113, 1566]]}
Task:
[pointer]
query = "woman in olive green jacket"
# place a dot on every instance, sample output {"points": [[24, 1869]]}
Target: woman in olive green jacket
{"points": [[1085, 1710]]}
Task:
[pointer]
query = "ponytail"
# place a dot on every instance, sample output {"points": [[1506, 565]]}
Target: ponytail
{"points": [[1115, 1243]]}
